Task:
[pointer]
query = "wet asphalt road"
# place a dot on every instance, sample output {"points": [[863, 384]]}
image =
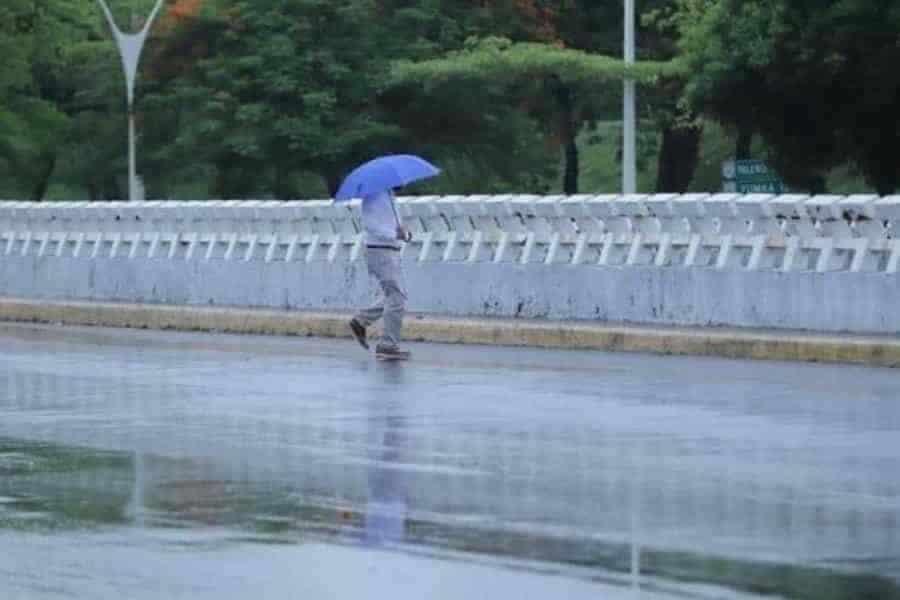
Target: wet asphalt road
{"points": [[148, 465]]}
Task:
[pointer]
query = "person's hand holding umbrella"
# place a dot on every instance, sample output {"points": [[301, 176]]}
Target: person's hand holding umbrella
{"points": [[404, 234]]}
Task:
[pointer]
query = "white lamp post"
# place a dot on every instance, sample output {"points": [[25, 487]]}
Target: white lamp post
{"points": [[629, 117], [130, 47]]}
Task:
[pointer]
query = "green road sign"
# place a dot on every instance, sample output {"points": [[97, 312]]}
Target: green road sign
{"points": [[750, 177]]}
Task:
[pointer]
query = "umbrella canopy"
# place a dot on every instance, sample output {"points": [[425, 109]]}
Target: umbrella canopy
{"points": [[385, 173]]}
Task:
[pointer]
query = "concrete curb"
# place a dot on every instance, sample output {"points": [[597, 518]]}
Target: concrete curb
{"points": [[730, 343]]}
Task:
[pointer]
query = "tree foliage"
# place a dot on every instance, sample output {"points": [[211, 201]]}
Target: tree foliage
{"points": [[560, 88], [503, 61], [39, 40], [817, 80], [279, 98]]}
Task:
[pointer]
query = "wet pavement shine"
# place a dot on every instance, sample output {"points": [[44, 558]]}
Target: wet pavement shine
{"points": [[167, 465]]}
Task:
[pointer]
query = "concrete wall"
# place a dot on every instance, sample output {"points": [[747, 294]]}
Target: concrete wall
{"points": [[824, 264], [840, 301]]}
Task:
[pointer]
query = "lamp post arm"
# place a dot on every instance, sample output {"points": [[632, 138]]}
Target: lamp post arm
{"points": [[152, 17]]}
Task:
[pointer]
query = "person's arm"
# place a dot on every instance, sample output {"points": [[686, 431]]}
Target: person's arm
{"points": [[403, 233]]}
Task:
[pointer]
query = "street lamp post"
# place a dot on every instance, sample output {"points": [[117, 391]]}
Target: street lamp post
{"points": [[629, 118], [130, 46]]}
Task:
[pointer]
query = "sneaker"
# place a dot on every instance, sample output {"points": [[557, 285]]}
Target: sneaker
{"points": [[359, 332], [383, 352]]}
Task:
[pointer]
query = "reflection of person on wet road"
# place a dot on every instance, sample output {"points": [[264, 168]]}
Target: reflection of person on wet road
{"points": [[387, 503], [386, 511]]}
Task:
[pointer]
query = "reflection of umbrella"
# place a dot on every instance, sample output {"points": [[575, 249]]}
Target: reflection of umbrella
{"points": [[383, 174]]}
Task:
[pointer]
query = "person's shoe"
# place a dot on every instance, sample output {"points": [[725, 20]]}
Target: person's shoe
{"points": [[383, 352], [359, 332]]}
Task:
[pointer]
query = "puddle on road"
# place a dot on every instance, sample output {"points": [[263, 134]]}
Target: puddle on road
{"points": [[51, 489], [45, 487]]}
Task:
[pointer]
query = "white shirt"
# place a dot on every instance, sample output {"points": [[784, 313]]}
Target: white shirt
{"points": [[380, 220]]}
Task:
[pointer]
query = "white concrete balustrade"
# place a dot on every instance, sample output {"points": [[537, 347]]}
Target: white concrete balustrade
{"points": [[668, 231]]}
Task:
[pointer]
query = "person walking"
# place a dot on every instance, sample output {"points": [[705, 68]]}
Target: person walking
{"points": [[374, 182], [384, 236]]}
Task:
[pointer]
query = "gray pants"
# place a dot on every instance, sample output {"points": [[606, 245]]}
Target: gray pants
{"points": [[384, 266]]}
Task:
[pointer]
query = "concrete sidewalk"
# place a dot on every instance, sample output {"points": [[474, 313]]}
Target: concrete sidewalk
{"points": [[881, 351]]}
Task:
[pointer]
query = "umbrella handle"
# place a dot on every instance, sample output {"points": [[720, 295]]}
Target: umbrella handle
{"points": [[404, 234], [407, 234]]}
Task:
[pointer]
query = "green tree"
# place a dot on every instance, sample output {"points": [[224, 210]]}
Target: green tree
{"points": [[487, 143], [562, 109], [596, 28], [14, 68], [817, 80], [95, 147], [290, 88], [560, 89], [40, 40]]}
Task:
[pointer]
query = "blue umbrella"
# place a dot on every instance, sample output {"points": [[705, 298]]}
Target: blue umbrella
{"points": [[385, 173]]}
